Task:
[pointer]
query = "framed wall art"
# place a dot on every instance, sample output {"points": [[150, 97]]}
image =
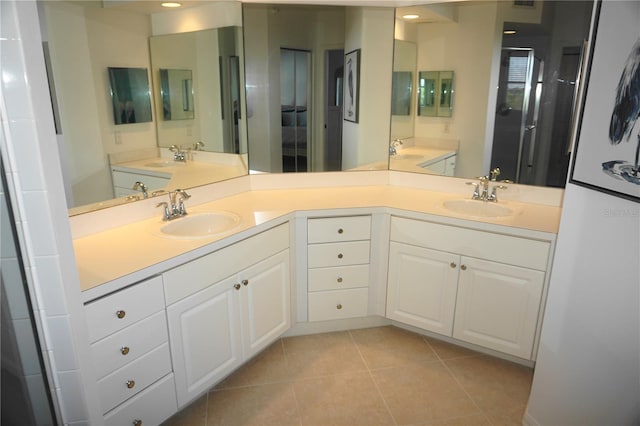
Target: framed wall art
{"points": [[352, 85]]}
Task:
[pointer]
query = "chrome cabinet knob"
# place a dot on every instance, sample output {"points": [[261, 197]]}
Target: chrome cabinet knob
{"points": [[121, 314], [245, 282], [236, 286], [463, 267], [453, 264], [137, 422], [340, 256], [339, 279], [339, 306], [340, 231], [130, 383], [124, 350]]}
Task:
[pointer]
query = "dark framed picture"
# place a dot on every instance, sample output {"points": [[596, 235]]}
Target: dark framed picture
{"points": [[352, 86], [130, 95], [607, 152]]}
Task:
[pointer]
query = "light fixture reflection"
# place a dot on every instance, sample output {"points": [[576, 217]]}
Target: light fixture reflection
{"points": [[509, 32], [171, 4], [410, 16]]}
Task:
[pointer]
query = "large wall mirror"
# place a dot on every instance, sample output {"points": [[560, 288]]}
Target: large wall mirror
{"points": [[515, 71], [193, 59]]}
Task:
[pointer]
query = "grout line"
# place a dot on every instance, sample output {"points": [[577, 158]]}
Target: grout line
{"points": [[295, 395], [369, 370]]}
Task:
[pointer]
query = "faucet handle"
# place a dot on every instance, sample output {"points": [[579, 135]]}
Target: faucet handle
{"points": [[166, 214], [494, 192], [476, 190], [495, 173]]}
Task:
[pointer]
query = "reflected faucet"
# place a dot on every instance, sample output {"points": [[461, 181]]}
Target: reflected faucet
{"points": [[393, 146], [140, 186], [178, 153]]}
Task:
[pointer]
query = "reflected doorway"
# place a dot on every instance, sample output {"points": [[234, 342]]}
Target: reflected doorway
{"points": [[334, 76]]}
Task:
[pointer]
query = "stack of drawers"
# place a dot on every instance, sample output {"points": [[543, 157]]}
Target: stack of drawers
{"points": [[130, 348], [338, 261]]}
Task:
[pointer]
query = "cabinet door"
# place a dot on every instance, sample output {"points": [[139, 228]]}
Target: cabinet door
{"points": [[205, 337], [422, 287], [498, 305], [265, 302]]}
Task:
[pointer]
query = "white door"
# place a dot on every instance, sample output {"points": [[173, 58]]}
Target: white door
{"points": [[422, 287], [265, 302], [205, 338], [498, 306]]}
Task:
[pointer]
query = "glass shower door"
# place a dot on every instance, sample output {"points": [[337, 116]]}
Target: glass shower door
{"points": [[295, 68]]}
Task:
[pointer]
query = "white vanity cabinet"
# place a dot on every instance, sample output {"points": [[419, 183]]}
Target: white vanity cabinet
{"points": [[475, 286], [225, 307], [338, 254], [130, 350]]}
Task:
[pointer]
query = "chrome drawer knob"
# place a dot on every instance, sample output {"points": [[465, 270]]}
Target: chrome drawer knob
{"points": [[137, 422], [339, 306], [130, 383], [121, 314], [340, 256], [236, 286], [124, 350], [463, 267], [245, 282], [339, 279], [453, 264], [340, 231]]}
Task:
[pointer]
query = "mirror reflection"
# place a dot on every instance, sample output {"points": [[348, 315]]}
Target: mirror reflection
{"points": [[130, 95], [200, 52], [531, 54]]}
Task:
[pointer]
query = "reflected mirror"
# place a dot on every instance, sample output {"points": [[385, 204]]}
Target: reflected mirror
{"points": [[130, 95], [176, 91], [195, 101], [511, 85]]}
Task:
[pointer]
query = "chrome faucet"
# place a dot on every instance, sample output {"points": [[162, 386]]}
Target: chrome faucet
{"points": [[481, 189], [175, 207], [142, 187], [394, 145], [179, 154]]}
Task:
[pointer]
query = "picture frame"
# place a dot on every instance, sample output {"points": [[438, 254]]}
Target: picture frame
{"points": [[130, 95], [607, 136], [352, 86]]}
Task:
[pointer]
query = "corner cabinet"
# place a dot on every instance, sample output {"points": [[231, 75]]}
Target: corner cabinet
{"points": [[219, 317], [475, 286]]}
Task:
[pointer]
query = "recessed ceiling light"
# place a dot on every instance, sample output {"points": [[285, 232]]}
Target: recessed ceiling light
{"points": [[509, 32], [410, 16], [171, 4]]}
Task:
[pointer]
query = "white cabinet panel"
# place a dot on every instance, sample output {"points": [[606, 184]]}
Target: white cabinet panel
{"points": [[205, 337], [422, 287], [498, 306], [339, 277], [333, 229], [338, 254], [339, 304]]}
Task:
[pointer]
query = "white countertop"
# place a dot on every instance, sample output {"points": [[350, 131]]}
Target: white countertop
{"points": [[128, 253], [415, 158]]}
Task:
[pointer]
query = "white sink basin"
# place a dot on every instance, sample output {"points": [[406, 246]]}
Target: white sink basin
{"points": [[200, 225], [167, 163], [478, 208]]}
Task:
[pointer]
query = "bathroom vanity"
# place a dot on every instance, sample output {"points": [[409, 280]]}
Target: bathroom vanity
{"points": [[170, 317]]}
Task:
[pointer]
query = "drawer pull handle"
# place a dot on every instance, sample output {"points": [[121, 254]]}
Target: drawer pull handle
{"points": [[340, 231], [121, 314], [339, 279], [453, 264], [124, 350], [130, 383], [245, 282], [236, 286], [137, 422], [463, 267], [339, 306], [340, 256]]}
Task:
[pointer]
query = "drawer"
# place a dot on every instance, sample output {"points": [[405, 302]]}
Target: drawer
{"points": [[124, 383], [338, 304], [151, 406], [333, 229], [194, 276], [339, 277], [117, 311], [501, 248], [129, 344], [338, 254]]}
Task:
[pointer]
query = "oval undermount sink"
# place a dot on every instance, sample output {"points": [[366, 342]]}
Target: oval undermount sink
{"points": [[477, 208], [200, 225], [165, 164]]}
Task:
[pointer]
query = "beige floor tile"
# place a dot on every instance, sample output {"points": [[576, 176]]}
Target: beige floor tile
{"points": [[492, 383], [507, 416], [384, 347], [349, 399], [322, 355], [449, 351], [269, 366], [473, 420], [195, 414], [417, 394], [271, 404]]}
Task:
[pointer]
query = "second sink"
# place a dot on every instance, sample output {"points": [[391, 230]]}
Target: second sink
{"points": [[201, 225]]}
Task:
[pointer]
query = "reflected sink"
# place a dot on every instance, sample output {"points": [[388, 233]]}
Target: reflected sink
{"points": [[167, 163], [200, 225], [477, 208], [407, 156]]}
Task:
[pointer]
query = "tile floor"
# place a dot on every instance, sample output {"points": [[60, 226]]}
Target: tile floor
{"points": [[374, 376]]}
